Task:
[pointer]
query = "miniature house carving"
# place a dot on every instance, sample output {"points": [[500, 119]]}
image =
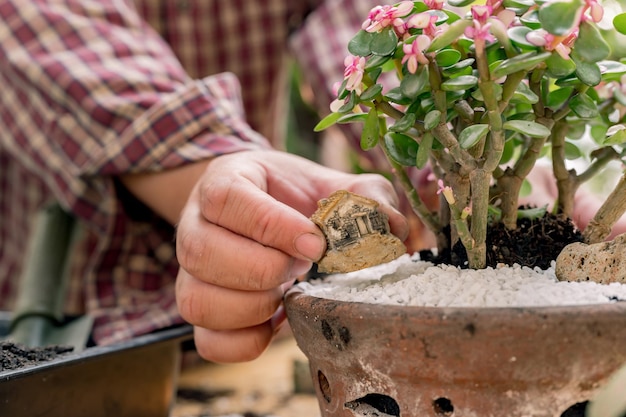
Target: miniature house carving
{"points": [[357, 233]]}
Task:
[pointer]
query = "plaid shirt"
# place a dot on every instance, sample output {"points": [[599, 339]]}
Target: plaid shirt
{"points": [[91, 89]]}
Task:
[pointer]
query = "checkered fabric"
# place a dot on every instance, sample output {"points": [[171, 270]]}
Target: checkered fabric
{"points": [[91, 89]]}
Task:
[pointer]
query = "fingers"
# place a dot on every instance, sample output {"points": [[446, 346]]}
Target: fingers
{"points": [[221, 257], [240, 344], [245, 208], [233, 345], [221, 308]]}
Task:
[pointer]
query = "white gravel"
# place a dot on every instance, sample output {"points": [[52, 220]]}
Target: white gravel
{"points": [[409, 281]]}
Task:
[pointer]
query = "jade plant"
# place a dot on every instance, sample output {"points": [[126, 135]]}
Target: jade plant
{"points": [[479, 91]]}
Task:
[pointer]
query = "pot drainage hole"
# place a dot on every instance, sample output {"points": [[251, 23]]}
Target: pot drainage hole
{"points": [[374, 405], [443, 407]]}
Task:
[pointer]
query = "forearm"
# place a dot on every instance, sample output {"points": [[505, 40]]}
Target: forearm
{"points": [[165, 192]]}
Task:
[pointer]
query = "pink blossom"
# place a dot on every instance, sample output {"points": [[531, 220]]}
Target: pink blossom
{"points": [[434, 4], [560, 44], [480, 30], [355, 67], [421, 20], [414, 53], [481, 13], [596, 11], [446, 191], [427, 23], [381, 17]]}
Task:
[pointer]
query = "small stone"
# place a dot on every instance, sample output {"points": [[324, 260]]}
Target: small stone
{"points": [[357, 233], [603, 262]]}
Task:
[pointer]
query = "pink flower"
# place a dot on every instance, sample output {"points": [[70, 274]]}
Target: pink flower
{"points": [[596, 11], [426, 22], [355, 67], [446, 191], [480, 30], [434, 4], [414, 53], [381, 17], [560, 44], [481, 13]]}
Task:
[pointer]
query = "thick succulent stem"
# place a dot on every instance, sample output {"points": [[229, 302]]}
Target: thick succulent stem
{"points": [[613, 208]]}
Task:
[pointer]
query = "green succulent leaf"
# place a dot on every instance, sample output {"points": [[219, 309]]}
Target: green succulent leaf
{"points": [[583, 106], [327, 122], [588, 72], [517, 34], [559, 17], [348, 106], [405, 123], [531, 19], [471, 135], [371, 131], [459, 83], [559, 67], [395, 96], [376, 62], [619, 22], [615, 136], [402, 148], [371, 92], [527, 127], [508, 151], [524, 94], [450, 35], [384, 42], [360, 44], [532, 213], [460, 68], [522, 62], [572, 151], [590, 45], [612, 70], [352, 118], [423, 151], [413, 85], [558, 97], [460, 3], [432, 119], [447, 57]]}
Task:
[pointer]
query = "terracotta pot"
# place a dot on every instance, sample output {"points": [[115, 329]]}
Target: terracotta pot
{"points": [[369, 360]]}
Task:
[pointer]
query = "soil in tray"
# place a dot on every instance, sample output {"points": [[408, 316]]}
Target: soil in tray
{"points": [[14, 356]]}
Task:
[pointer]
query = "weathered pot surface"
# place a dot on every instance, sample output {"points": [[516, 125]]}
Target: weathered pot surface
{"points": [[382, 360]]}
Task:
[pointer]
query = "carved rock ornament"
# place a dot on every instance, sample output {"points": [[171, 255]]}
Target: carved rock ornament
{"points": [[357, 234]]}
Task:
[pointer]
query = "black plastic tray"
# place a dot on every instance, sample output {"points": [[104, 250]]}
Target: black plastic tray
{"points": [[135, 379]]}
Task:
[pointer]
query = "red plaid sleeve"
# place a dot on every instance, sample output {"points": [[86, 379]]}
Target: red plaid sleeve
{"points": [[90, 90]]}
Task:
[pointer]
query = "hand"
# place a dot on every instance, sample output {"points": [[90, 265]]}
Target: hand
{"points": [[243, 238]]}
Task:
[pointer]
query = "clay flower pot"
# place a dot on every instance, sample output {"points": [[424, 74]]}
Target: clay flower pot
{"points": [[380, 360]]}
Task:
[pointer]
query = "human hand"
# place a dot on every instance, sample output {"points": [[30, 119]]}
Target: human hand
{"points": [[244, 236]]}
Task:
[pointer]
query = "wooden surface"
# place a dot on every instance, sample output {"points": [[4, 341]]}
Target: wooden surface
{"points": [[263, 387]]}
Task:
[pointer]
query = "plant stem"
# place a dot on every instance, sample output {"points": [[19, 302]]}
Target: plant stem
{"points": [[611, 210], [566, 181]]}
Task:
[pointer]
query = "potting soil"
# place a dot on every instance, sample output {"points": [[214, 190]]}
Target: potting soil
{"points": [[14, 356]]}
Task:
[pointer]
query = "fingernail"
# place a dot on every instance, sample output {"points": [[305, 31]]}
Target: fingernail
{"points": [[310, 246]]}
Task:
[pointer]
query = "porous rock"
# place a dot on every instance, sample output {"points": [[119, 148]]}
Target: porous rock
{"points": [[603, 262], [357, 233]]}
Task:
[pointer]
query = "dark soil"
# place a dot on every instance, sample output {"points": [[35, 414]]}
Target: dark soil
{"points": [[534, 243], [15, 356]]}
